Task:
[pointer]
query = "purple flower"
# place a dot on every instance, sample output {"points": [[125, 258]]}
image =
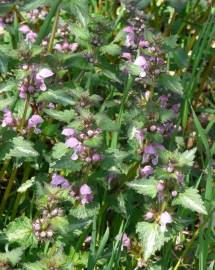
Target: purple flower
{"points": [[126, 56], [150, 149], [160, 186], [40, 76], [126, 242], [44, 73], [8, 119], [142, 63], [24, 29], [34, 121], [165, 218], [163, 101], [143, 43], [58, 180], [31, 37], [129, 40], [139, 135], [68, 132], [58, 47], [73, 47], [72, 142], [146, 171], [174, 193], [180, 177], [140, 263], [86, 195], [96, 157], [149, 215]]}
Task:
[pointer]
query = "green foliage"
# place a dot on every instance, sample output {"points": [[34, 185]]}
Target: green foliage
{"points": [[191, 199], [152, 238], [22, 149], [20, 231], [144, 186]]}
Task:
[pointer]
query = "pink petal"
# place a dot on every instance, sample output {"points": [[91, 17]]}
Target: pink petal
{"points": [[45, 73]]}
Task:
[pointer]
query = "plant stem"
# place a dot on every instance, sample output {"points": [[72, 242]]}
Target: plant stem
{"points": [[54, 29], [122, 107], [24, 113], [4, 167], [19, 196], [8, 189]]}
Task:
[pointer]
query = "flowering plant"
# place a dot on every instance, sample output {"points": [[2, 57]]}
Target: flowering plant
{"points": [[106, 157]]}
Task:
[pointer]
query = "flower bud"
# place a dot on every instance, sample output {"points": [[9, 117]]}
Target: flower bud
{"points": [[174, 193], [43, 234], [160, 186], [149, 215]]}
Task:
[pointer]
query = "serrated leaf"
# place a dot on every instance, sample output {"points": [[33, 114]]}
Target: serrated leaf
{"points": [[145, 187], [13, 256], [60, 224], [59, 150], [30, 5], [84, 211], [8, 86], [25, 186], [5, 103], [111, 49], [35, 266], [64, 116], [94, 142], [191, 199], [152, 238], [187, 158], [67, 163], [22, 148], [105, 123], [59, 96], [172, 83], [20, 231], [3, 63], [77, 8]]}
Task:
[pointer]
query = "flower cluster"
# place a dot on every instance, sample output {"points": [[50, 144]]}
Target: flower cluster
{"points": [[34, 81], [84, 194], [75, 140]]}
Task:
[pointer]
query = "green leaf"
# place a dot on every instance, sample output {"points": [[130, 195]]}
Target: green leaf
{"points": [[58, 96], [105, 123], [21, 232], [13, 256], [30, 5], [60, 224], [59, 150], [46, 26], [145, 186], [66, 163], [35, 266], [187, 158], [84, 211], [191, 199], [25, 186], [152, 238], [64, 116], [22, 148], [172, 83], [8, 86], [111, 49], [3, 62], [94, 142], [180, 57], [79, 9], [5, 103], [81, 33]]}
